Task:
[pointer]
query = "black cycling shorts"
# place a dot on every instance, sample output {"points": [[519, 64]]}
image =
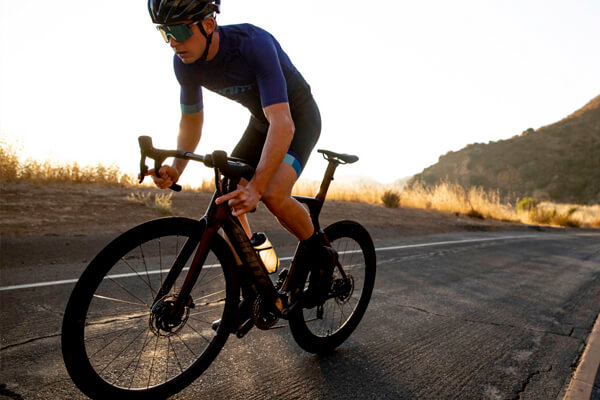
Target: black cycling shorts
{"points": [[307, 121]]}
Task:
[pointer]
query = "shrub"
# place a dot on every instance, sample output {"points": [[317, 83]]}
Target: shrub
{"points": [[553, 217], [140, 198], [527, 204], [162, 203], [391, 199], [475, 214]]}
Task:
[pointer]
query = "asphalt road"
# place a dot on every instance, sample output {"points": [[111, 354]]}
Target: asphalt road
{"points": [[500, 315]]}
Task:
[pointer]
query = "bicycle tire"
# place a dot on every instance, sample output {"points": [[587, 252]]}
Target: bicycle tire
{"points": [[112, 344], [340, 315]]}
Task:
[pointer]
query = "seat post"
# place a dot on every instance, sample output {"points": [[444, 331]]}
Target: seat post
{"points": [[327, 179]]}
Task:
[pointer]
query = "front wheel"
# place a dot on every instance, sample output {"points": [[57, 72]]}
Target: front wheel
{"points": [[324, 327], [119, 336]]}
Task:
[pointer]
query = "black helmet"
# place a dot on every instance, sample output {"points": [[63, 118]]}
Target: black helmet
{"points": [[174, 11]]}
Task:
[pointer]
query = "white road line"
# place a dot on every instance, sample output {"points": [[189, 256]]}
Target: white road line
{"points": [[408, 246]]}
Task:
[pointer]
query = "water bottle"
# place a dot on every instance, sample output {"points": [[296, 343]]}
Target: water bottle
{"points": [[265, 250]]}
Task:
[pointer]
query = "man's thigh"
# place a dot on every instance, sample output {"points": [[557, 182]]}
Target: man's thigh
{"points": [[282, 183]]}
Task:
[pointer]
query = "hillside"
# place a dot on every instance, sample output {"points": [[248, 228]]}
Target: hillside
{"points": [[558, 162]]}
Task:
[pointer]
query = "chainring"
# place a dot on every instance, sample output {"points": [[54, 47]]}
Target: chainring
{"points": [[262, 317]]}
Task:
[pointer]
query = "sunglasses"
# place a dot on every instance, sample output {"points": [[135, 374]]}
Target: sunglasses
{"points": [[179, 32]]}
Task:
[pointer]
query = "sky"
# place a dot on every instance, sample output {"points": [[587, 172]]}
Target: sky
{"points": [[399, 83]]}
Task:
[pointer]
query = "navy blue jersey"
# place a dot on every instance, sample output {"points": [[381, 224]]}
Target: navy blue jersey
{"points": [[250, 68]]}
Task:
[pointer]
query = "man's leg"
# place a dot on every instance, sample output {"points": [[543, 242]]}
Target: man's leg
{"points": [[289, 212], [312, 251]]}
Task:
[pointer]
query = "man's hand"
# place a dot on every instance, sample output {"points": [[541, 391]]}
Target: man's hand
{"points": [[168, 176], [242, 200]]}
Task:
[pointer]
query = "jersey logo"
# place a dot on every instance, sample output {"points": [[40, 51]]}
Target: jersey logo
{"points": [[234, 90]]}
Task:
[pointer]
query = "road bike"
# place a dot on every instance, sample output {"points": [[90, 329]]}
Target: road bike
{"points": [[154, 307]]}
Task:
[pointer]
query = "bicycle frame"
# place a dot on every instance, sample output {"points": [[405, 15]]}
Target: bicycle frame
{"points": [[219, 216]]}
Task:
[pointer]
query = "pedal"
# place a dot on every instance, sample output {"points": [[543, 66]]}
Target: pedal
{"points": [[244, 328], [285, 313], [215, 325]]}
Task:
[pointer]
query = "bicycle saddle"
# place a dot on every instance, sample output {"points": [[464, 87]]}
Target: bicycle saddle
{"points": [[341, 158]]}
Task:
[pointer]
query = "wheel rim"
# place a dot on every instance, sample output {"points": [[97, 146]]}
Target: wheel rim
{"points": [[129, 340]]}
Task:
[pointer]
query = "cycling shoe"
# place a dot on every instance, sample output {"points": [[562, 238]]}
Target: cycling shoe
{"points": [[321, 277]]}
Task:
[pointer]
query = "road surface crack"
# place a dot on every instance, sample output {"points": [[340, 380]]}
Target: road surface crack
{"points": [[35, 339], [528, 381]]}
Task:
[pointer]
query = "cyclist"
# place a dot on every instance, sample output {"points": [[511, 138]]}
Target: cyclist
{"points": [[246, 64]]}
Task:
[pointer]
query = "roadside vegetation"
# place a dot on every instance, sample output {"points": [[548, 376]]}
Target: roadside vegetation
{"points": [[479, 203], [475, 202], [13, 169], [161, 203]]}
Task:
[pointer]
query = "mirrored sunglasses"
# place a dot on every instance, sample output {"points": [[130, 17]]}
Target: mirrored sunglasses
{"points": [[179, 32]]}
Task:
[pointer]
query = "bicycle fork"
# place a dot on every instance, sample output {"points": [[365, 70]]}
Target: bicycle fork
{"points": [[201, 244]]}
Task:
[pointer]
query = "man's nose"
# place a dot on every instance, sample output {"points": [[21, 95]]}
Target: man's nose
{"points": [[173, 42]]}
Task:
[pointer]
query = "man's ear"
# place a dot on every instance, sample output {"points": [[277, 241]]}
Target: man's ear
{"points": [[209, 24]]}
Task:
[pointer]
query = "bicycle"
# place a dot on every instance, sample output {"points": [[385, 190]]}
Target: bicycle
{"points": [[156, 305]]}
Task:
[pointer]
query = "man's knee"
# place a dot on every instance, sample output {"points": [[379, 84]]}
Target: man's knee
{"points": [[274, 200]]}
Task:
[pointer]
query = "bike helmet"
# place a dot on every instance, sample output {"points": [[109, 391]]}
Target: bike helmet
{"points": [[174, 11]]}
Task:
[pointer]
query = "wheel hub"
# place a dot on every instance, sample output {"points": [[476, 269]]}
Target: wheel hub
{"points": [[164, 321], [343, 289]]}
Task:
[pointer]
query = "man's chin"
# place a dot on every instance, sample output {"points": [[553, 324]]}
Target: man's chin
{"points": [[187, 58]]}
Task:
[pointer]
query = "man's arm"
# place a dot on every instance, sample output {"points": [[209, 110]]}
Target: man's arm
{"points": [[190, 131], [279, 138]]}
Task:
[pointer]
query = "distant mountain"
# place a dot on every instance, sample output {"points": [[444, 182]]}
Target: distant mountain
{"points": [[559, 162]]}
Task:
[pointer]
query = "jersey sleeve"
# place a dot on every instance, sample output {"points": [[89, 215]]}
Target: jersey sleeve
{"points": [[190, 97], [269, 74]]}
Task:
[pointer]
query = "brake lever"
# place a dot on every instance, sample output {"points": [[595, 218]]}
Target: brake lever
{"points": [[145, 143]]}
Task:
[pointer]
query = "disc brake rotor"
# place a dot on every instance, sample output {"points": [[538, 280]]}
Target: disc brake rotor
{"points": [[162, 320]]}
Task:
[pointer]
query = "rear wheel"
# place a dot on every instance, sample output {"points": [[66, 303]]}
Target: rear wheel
{"points": [[119, 337], [326, 326]]}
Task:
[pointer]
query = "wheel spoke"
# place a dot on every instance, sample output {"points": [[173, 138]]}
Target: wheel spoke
{"points": [[119, 300], [128, 291]]}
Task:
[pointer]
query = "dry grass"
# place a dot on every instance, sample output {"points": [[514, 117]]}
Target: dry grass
{"points": [[454, 198], [13, 169], [161, 203], [479, 203], [564, 215], [207, 185], [448, 197], [365, 192]]}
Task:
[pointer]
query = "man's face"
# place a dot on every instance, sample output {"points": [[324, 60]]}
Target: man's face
{"points": [[191, 49]]}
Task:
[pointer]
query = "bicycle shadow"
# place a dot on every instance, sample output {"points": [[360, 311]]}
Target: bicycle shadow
{"points": [[350, 372]]}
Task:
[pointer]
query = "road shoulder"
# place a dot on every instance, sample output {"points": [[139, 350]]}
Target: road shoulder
{"points": [[581, 386]]}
